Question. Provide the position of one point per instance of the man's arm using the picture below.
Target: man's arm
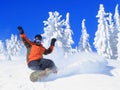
(24, 38)
(50, 49)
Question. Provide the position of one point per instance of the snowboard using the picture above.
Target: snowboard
(40, 75)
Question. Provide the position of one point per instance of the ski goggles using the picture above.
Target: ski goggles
(38, 41)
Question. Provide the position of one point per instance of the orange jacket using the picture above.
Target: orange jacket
(34, 52)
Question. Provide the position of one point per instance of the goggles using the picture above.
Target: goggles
(38, 41)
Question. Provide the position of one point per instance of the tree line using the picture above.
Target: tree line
(106, 40)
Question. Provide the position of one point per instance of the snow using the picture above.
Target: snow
(82, 71)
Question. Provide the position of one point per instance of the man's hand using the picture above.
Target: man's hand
(53, 41)
(20, 29)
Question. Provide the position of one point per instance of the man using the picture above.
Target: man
(35, 51)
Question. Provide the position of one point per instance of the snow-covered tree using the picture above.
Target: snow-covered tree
(102, 35)
(53, 28)
(117, 32)
(67, 40)
(111, 37)
(2, 48)
(59, 29)
(84, 45)
(13, 47)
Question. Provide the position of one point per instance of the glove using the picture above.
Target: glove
(20, 29)
(53, 41)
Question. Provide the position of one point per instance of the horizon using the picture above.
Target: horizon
(32, 14)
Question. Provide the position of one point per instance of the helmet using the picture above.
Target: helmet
(37, 37)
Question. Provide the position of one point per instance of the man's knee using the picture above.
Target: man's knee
(34, 68)
(47, 63)
(34, 65)
(51, 64)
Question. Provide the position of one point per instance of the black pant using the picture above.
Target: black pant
(41, 64)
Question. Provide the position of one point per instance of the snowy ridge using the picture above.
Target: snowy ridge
(75, 72)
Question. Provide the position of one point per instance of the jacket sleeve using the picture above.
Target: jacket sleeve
(49, 50)
(25, 40)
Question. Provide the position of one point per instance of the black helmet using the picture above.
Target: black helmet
(38, 37)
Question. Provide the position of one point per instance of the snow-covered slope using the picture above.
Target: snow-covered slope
(81, 71)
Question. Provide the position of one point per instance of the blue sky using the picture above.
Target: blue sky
(31, 13)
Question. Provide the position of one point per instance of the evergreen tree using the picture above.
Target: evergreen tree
(67, 40)
(2, 48)
(13, 47)
(59, 29)
(110, 38)
(84, 45)
(53, 28)
(117, 33)
(101, 40)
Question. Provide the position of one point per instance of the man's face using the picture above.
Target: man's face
(38, 41)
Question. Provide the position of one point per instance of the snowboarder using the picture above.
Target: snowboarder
(35, 51)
